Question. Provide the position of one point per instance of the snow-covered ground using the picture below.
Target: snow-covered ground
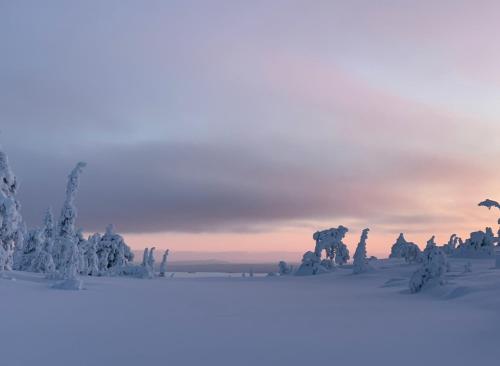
(332, 319)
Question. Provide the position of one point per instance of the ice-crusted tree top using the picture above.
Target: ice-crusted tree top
(69, 212)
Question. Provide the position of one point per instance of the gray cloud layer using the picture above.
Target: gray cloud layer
(192, 187)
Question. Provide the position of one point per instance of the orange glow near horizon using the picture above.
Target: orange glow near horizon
(299, 239)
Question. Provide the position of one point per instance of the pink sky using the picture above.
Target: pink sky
(246, 126)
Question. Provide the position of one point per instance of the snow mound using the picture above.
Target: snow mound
(74, 284)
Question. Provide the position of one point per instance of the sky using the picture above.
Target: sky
(248, 125)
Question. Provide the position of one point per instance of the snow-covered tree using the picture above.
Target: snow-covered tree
(284, 268)
(91, 259)
(151, 258)
(163, 265)
(481, 244)
(412, 253)
(405, 249)
(310, 265)
(43, 261)
(27, 254)
(361, 264)
(113, 253)
(67, 255)
(146, 269)
(10, 216)
(452, 244)
(330, 241)
(433, 269)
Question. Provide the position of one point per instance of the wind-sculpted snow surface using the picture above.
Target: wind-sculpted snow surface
(256, 321)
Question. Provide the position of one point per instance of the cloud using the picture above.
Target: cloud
(204, 188)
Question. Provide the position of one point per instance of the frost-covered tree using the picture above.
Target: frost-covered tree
(398, 247)
(91, 260)
(43, 261)
(361, 264)
(452, 244)
(146, 269)
(412, 253)
(67, 255)
(31, 248)
(310, 265)
(481, 244)
(433, 269)
(145, 257)
(10, 216)
(330, 241)
(284, 268)
(113, 253)
(151, 258)
(405, 249)
(163, 265)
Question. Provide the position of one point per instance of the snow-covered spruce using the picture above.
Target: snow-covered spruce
(10, 216)
(89, 256)
(163, 265)
(433, 269)
(113, 253)
(310, 265)
(67, 255)
(43, 261)
(26, 255)
(451, 246)
(480, 245)
(405, 249)
(284, 268)
(361, 264)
